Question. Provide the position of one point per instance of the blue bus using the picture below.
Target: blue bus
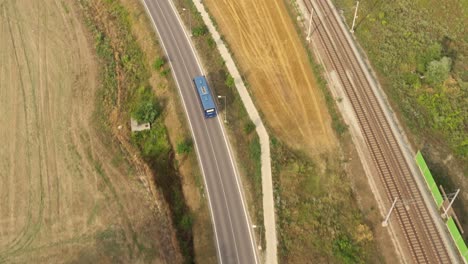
(204, 95)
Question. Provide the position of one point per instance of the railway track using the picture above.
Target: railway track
(422, 237)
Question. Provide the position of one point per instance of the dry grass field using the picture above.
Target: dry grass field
(271, 56)
(67, 193)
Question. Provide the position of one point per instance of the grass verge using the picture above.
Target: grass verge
(126, 93)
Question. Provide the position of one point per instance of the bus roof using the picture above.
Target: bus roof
(204, 92)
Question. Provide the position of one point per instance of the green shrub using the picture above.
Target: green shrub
(249, 128)
(199, 31)
(158, 63)
(211, 43)
(185, 146)
(145, 108)
(186, 222)
(153, 143)
(146, 112)
(412, 80)
(165, 72)
(230, 81)
(438, 71)
(345, 250)
(432, 53)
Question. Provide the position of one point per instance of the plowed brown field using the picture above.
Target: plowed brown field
(269, 52)
(66, 195)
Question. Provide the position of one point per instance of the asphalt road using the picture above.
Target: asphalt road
(232, 228)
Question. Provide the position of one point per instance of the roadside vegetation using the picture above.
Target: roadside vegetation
(419, 50)
(128, 91)
(240, 128)
(318, 217)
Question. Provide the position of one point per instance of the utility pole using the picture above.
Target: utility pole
(444, 215)
(385, 222)
(310, 24)
(225, 107)
(355, 16)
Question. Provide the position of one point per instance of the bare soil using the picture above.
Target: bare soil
(68, 193)
(266, 46)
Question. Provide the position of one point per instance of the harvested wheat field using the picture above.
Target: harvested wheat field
(67, 193)
(269, 52)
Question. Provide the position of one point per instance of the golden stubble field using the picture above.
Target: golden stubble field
(66, 193)
(268, 50)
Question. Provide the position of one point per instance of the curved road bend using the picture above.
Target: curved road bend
(233, 234)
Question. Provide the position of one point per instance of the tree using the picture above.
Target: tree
(438, 71)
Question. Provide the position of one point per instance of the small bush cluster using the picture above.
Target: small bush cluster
(153, 143)
(199, 31)
(185, 146)
(159, 64)
(249, 127)
(230, 81)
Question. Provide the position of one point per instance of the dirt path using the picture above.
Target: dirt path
(271, 56)
(66, 194)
